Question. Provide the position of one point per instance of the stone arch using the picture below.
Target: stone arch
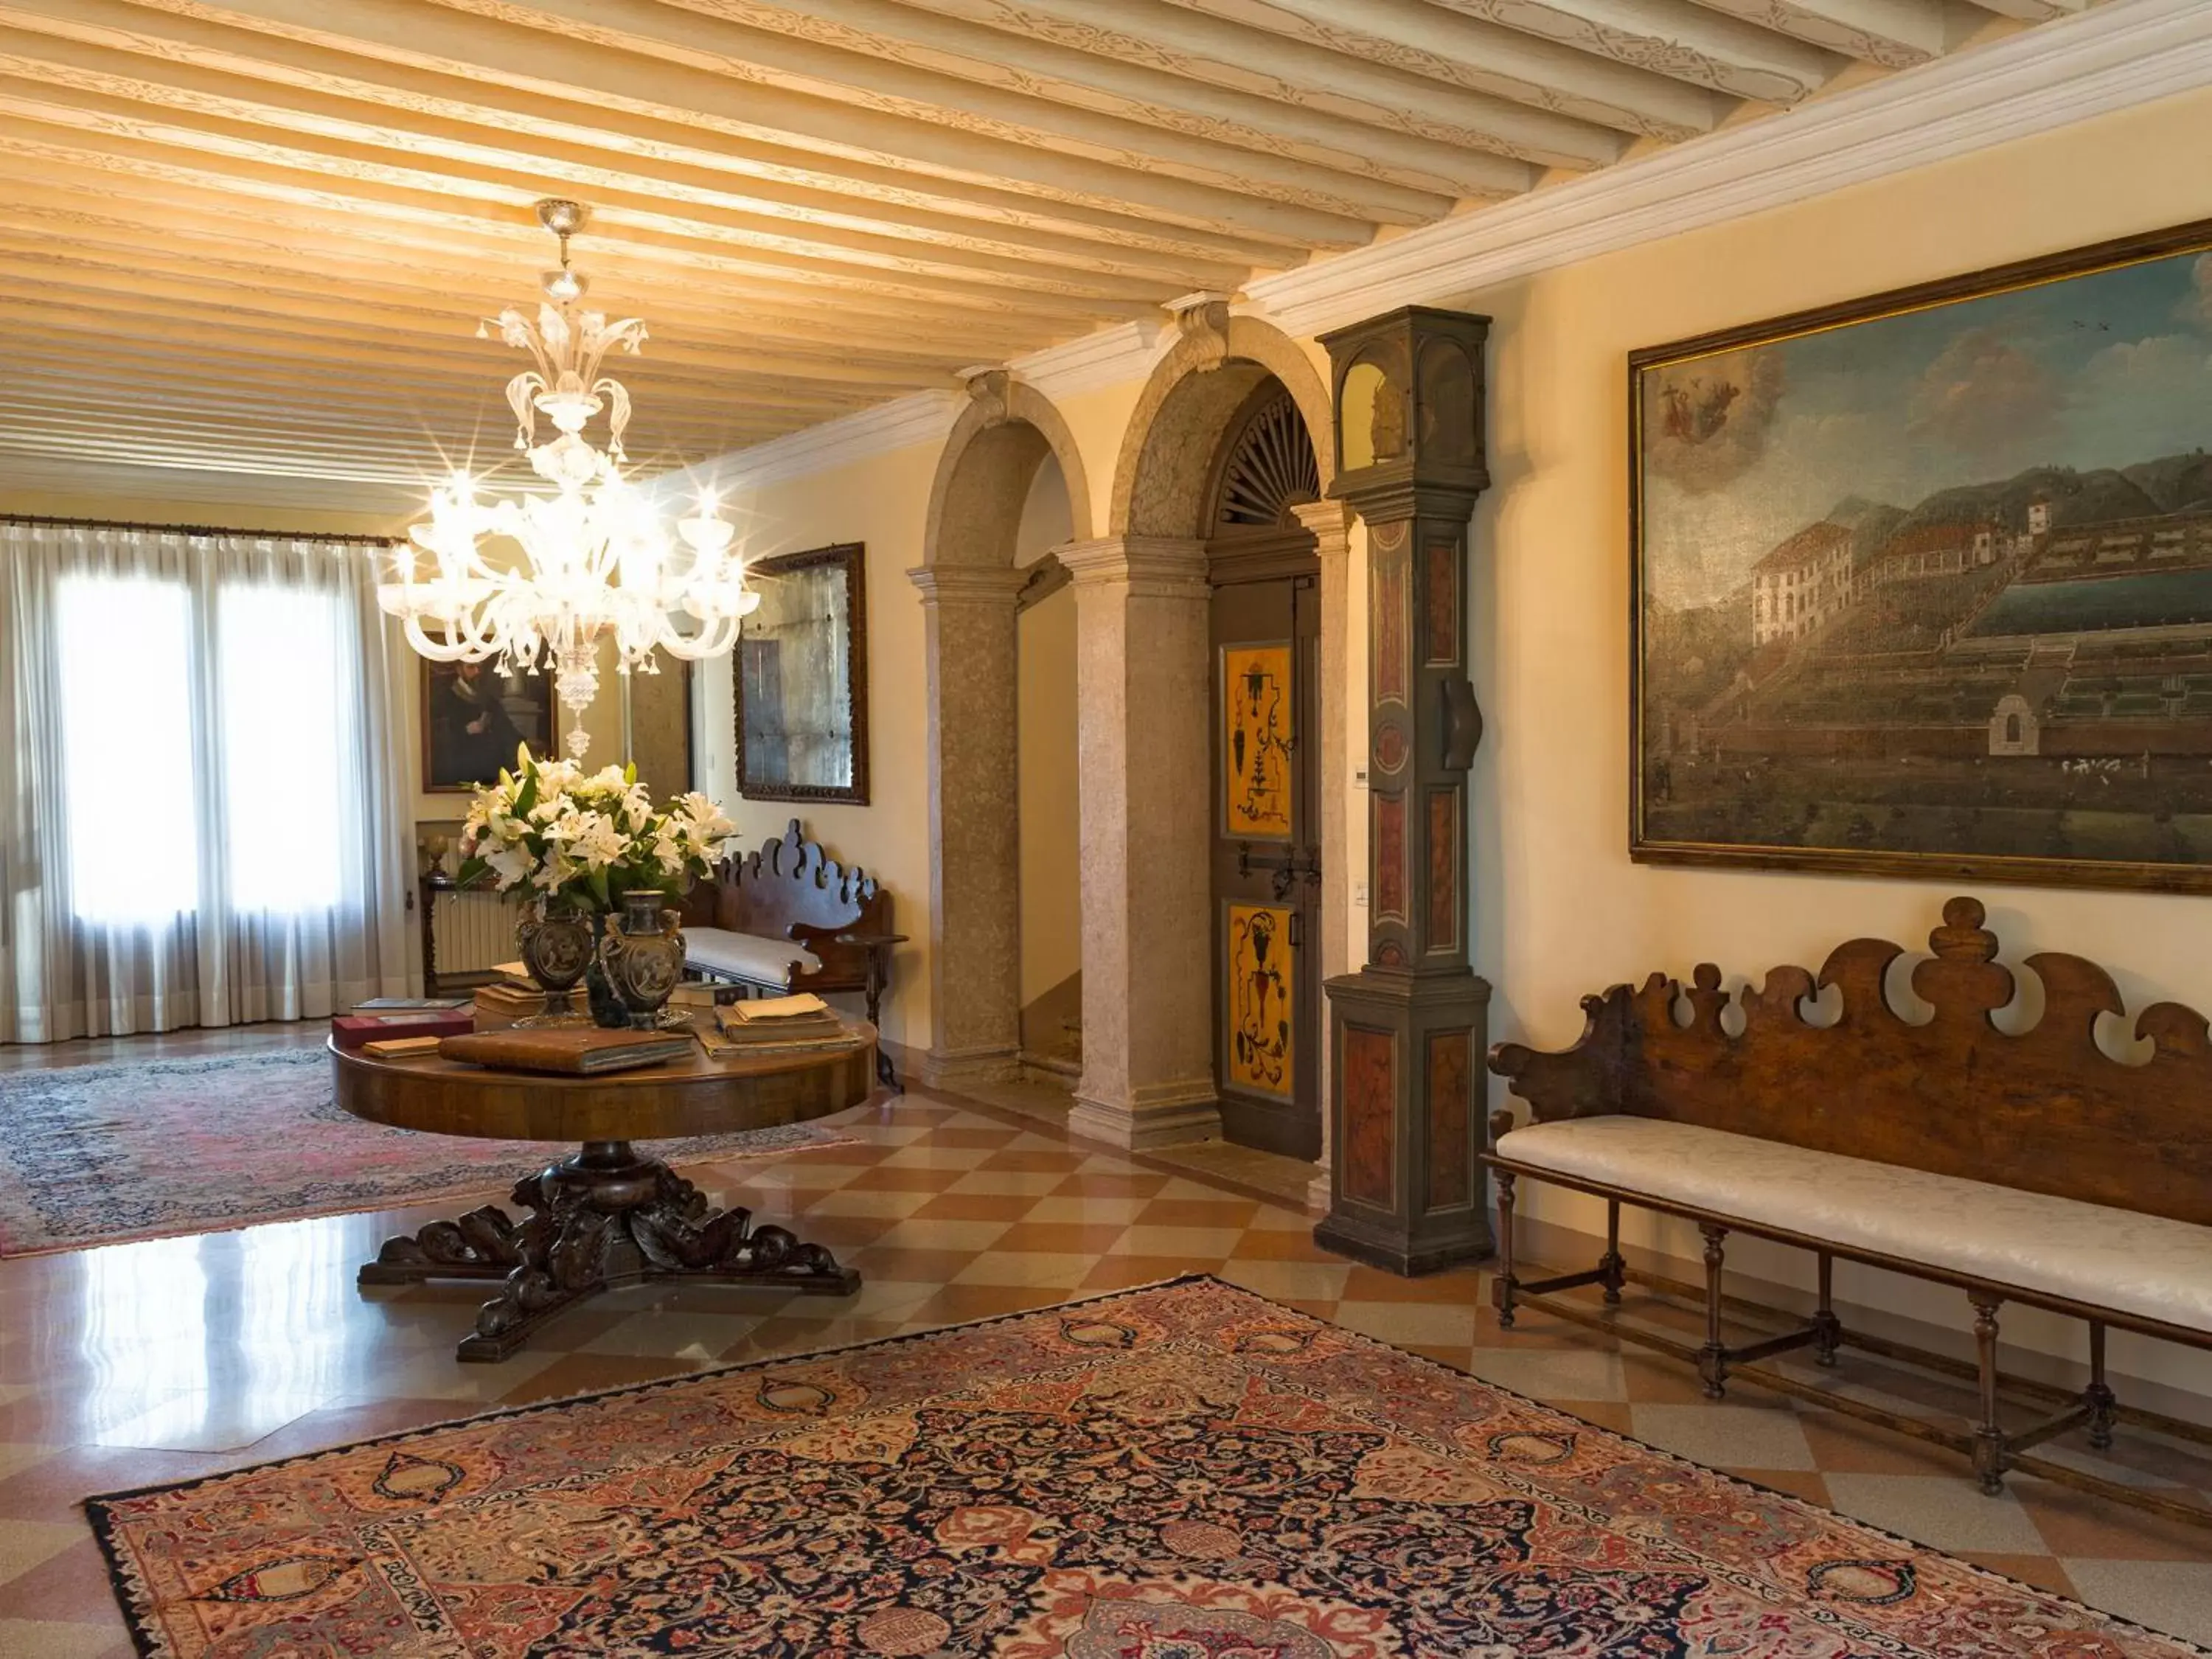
(970, 589)
(1161, 476)
(990, 455)
(1149, 579)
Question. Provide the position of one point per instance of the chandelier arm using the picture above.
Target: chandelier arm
(711, 642)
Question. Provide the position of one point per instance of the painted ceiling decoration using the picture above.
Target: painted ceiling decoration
(244, 243)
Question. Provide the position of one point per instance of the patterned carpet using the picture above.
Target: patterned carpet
(1185, 1471)
(99, 1154)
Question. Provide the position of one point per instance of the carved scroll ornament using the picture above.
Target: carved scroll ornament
(2045, 1109)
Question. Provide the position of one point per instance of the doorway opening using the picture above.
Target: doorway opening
(1267, 876)
(1046, 780)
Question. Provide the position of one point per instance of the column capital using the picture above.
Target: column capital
(968, 584)
(1160, 567)
(1330, 522)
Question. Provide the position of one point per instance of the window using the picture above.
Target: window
(124, 652)
(281, 731)
(129, 688)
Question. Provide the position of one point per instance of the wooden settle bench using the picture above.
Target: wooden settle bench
(790, 918)
(2028, 1168)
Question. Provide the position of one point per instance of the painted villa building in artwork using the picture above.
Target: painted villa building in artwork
(2018, 659)
(1802, 583)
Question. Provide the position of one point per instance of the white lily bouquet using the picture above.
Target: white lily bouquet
(582, 841)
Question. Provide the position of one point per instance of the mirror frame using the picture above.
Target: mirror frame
(851, 557)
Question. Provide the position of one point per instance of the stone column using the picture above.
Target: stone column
(975, 824)
(1144, 695)
(1331, 524)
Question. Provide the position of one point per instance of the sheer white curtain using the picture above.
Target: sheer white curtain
(205, 826)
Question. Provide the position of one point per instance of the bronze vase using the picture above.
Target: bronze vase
(555, 945)
(639, 960)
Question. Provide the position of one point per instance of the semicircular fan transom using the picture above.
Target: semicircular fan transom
(1271, 469)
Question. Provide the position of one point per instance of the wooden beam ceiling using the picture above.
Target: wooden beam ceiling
(244, 244)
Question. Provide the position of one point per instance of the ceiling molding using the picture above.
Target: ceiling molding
(2123, 53)
(1124, 352)
(920, 417)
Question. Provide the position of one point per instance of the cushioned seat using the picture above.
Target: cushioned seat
(2138, 1264)
(749, 957)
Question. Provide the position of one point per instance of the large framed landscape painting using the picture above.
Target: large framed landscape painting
(1923, 584)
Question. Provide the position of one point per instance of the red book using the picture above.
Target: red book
(352, 1030)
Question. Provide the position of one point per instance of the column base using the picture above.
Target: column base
(1408, 1085)
(955, 1068)
(1389, 1253)
(1159, 1115)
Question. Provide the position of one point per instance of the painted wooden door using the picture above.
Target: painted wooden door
(1266, 862)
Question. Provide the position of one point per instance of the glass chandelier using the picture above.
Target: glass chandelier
(593, 559)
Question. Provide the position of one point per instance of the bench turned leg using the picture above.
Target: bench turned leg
(1502, 1286)
(1828, 1329)
(1712, 1358)
(2103, 1404)
(1989, 1437)
(1611, 1264)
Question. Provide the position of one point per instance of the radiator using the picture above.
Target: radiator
(471, 932)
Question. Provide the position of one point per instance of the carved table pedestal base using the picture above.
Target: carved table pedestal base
(602, 1218)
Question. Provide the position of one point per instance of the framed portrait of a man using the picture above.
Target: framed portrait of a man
(473, 717)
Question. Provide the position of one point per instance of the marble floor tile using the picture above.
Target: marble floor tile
(1550, 1374)
(1947, 1512)
(1727, 1436)
(1410, 1324)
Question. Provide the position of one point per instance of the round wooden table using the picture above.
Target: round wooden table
(604, 1216)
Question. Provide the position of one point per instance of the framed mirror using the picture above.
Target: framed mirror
(802, 679)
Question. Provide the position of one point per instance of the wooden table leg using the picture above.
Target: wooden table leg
(602, 1218)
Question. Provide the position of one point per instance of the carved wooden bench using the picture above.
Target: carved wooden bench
(2030, 1169)
(790, 918)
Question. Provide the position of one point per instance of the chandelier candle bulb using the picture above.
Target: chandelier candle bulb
(595, 560)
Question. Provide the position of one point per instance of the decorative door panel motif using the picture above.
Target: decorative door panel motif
(1262, 983)
(1259, 732)
(1267, 866)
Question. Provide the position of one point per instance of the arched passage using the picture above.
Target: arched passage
(970, 586)
(1147, 696)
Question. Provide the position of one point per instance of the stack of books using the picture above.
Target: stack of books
(775, 1025)
(381, 1017)
(514, 995)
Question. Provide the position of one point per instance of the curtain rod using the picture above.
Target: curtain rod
(196, 529)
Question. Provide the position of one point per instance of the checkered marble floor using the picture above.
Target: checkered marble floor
(144, 1363)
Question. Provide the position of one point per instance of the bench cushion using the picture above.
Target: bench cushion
(751, 957)
(2090, 1253)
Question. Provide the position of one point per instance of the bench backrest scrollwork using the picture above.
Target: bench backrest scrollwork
(2046, 1110)
(791, 889)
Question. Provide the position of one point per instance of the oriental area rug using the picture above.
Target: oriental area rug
(99, 1154)
(1181, 1472)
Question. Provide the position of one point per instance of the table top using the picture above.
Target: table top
(690, 1095)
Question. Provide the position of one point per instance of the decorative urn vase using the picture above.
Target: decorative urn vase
(639, 959)
(556, 946)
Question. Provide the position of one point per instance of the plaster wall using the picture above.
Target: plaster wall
(1046, 769)
(1560, 910)
(882, 503)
